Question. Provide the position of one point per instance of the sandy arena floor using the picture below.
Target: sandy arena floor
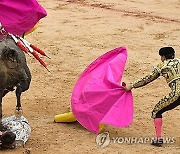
(75, 33)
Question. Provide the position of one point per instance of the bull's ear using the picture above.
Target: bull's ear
(10, 57)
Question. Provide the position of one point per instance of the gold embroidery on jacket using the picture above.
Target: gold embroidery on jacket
(170, 70)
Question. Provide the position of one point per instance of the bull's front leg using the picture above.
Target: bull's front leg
(18, 111)
(21, 87)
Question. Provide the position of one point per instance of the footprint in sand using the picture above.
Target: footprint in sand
(159, 36)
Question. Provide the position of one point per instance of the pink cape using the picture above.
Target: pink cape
(98, 97)
(19, 16)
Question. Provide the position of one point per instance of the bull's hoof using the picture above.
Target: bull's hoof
(18, 113)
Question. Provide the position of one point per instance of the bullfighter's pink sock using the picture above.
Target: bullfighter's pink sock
(158, 127)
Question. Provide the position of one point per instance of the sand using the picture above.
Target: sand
(75, 33)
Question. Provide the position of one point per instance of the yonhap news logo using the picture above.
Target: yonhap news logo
(104, 139)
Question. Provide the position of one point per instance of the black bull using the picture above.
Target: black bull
(14, 72)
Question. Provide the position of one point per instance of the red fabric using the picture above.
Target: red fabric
(98, 97)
